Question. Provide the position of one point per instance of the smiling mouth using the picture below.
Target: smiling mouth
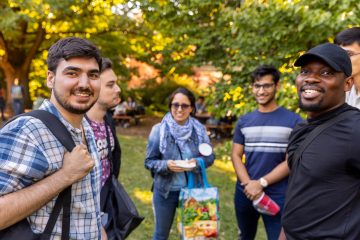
(311, 93)
(82, 93)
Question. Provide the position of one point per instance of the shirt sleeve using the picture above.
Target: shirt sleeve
(21, 161)
(238, 135)
(354, 162)
(154, 160)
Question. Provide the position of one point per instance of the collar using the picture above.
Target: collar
(329, 114)
(48, 106)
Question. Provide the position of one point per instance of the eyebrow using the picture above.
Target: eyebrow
(79, 69)
(111, 82)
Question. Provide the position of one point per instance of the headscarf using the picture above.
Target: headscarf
(181, 133)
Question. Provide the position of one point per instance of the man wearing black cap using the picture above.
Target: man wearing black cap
(323, 196)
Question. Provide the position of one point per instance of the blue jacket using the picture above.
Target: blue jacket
(156, 162)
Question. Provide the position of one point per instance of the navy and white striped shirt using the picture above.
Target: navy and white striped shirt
(29, 152)
(265, 138)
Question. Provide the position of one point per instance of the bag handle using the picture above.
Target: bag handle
(191, 181)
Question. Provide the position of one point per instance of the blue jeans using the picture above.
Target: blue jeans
(247, 217)
(164, 212)
(18, 106)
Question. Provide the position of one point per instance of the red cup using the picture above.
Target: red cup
(264, 204)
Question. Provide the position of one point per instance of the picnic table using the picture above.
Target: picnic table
(128, 118)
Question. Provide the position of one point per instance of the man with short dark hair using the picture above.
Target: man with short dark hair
(322, 200)
(108, 146)
(35, 167)
(349, 39)
(261, 136)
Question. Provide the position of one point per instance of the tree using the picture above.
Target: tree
(29, 27)
(237, 36)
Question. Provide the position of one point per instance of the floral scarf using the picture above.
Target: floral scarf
(181, 133)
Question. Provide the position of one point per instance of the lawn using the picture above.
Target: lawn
(137, 181)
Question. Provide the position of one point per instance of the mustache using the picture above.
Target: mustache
(83, 90)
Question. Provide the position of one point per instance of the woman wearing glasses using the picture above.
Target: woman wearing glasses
(177, 137)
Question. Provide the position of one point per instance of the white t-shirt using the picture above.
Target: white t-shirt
(352, 98)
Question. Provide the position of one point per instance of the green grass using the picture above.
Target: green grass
(137, 181)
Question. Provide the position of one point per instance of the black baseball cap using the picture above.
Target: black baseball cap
(336, 57)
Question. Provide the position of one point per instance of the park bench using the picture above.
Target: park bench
(219, 131)
(135, 118)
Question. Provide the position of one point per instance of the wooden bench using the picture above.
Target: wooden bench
(135, 118)
(219, 130)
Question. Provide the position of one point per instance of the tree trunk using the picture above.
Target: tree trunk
(9, 73)
(24, 81)
(16, 62)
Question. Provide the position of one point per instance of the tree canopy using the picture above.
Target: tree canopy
(238, 36)
(235, 36)
(29, 27)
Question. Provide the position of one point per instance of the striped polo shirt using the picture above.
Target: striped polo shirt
(265, 137)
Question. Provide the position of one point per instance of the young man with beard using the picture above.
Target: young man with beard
(349, 39)
(262, 136)
(322, 201)
(35, 167)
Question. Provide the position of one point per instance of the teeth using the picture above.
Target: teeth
(83, 94)
(309, 91)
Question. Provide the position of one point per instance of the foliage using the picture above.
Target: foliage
(155, 94)
(29, 27)
(237, 36)
(175, 35)
(222, 151)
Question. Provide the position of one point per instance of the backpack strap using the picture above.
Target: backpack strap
(64, 199)
(316, 132)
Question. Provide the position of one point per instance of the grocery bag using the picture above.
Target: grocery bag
(198, 212)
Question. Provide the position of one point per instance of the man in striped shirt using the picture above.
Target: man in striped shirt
(262, 136)
(35, 167)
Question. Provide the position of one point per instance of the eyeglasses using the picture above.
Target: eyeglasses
(265, 86)
(183, 106)
(350, 53)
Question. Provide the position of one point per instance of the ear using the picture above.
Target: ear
(278, 86)
(50, 79)
(348, 83)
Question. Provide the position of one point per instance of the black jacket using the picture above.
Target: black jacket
(116, 154)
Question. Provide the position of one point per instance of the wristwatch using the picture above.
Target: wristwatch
(263, 182)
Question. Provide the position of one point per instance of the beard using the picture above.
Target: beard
(70, 108)
(315, 107)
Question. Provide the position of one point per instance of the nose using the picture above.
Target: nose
(311, 79)
(261, 90)
(117, 88)
(83, 80)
